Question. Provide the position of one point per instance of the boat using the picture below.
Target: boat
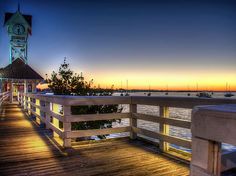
(188, 93)
(204, 95)
(167, 90)
(127, 83)
(149, 93)
(126, 94)
(228, 92)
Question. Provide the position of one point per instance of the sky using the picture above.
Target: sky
(163, 43)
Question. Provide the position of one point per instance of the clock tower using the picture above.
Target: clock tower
(19, 28)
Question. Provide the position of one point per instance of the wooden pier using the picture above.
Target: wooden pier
(36, 138)
(27, 149)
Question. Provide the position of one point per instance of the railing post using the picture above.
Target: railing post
(212, 125)
(11, 90)
(37, 102)
(164, 128)
(206, 157)
(31, 109)
(133, 121)
(20, 99)
(66, 126)
(28, 105)
(48, 116)
(25, 103)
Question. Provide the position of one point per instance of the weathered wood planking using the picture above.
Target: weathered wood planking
(27, 149)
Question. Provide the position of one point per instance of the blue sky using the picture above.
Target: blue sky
(147, 42)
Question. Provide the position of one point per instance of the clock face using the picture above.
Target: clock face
(18, 29)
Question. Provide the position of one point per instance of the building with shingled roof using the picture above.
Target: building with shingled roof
(18, 76)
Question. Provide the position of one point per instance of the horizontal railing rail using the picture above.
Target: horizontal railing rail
(54, 109)
(180, 102)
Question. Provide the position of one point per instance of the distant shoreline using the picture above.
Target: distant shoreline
(138, 90)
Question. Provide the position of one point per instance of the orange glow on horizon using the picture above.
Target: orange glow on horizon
(170, 81)
(192, 80)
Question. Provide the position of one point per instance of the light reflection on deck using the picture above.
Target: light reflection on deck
(28, 149)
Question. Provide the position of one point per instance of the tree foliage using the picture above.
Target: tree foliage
(66, 82)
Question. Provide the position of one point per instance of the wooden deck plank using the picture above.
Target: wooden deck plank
(27, 149)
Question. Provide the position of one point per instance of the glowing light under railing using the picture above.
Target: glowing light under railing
(37, 102)
(56, 108)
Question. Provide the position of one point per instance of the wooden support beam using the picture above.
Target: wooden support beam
(66, 126)
(133, 121)
(164, 128)
(48, 116)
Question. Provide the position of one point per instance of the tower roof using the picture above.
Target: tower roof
(28, 18)
(19, 70)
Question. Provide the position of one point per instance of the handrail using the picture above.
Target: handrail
(212, 125)
(170, 101)
(52, 109)
(180, 102)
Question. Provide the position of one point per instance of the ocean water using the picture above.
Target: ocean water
(178, 113)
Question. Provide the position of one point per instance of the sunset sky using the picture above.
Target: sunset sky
(178, 43)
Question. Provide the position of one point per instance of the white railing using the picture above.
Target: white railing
(211, 126)
(4, 96)
(53, 110)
